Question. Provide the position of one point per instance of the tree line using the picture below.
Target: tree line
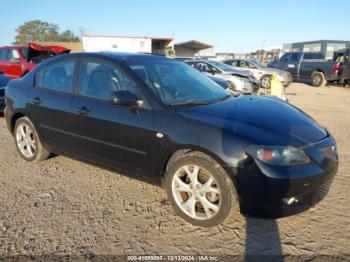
(41, 31)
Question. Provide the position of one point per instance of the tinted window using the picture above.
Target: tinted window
(285, 57)
(231, 62)
(294, 57)
(100, 80)
(313, 56)
(58, 76)
(3, 54)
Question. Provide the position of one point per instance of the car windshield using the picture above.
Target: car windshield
(222, 66)
(177, 83)
(257, 63)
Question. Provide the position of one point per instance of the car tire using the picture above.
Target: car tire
(318, 79)
(265, 81)
(206, 201)
(28, 142)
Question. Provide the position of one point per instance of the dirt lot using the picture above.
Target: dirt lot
(62, 206)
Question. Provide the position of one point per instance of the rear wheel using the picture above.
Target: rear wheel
(27, 141)
(318, 79)
(200, 190)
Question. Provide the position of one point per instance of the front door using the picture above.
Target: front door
(14, 66)
(114, 135)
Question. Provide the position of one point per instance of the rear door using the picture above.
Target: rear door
(114, 135)
(50, 105)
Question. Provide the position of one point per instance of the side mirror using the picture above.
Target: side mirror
(1, 73)
(125, 98)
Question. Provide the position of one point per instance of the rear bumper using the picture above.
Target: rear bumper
(264, 190)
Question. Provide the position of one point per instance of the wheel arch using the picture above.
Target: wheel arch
(14, 119)
(191, 149)
(317, 70)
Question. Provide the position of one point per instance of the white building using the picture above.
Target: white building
(193, 48)
(132, 44)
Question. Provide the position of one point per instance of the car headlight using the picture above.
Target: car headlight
(278, 155)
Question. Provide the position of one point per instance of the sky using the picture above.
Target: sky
(229, 25)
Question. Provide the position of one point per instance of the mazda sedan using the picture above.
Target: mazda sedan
(162, 119)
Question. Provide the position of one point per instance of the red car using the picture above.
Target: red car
(16, 61)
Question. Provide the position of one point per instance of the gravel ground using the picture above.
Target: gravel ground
(62, 206)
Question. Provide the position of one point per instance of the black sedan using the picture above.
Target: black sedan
(149, 115)
(3, 82)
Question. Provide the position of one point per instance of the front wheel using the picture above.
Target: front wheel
(27, 141)
(200, 190)
(318, 79)
(265, 81)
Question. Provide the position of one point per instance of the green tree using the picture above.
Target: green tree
(37, 30)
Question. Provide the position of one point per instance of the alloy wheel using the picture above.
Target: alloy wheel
(196, 192)
(265, 82)
(317, 80)
(25, 140)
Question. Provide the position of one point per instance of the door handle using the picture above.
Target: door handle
(36, 100)
(83, 110)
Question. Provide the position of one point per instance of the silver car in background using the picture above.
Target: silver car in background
(241, 81)
(260, 71)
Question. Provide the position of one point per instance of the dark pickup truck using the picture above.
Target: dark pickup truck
(306, 66)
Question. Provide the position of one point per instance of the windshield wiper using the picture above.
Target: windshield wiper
(190, 103)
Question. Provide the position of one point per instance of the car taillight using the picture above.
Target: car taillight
(336, 68)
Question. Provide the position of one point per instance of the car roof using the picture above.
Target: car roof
(119, 56)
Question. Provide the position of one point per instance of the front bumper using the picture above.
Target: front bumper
(263, 189)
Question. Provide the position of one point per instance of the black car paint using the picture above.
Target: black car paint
(3, 82)
(142, 141)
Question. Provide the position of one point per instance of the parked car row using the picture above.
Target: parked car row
(16, 61)
(238, 80)
(162, 119)
(307, 66)
(260, 71)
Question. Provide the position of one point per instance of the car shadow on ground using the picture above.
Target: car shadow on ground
(263, 241)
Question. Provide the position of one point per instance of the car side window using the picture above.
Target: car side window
(100, 80)
(294, 57)
(234, 62)
(242, 63)
(13, 55)
(285, 57)
(58, 76)
(3, 54)
(251, 65)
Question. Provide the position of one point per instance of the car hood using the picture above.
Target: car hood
(35, 50)
(261, 118)
(244, 73)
